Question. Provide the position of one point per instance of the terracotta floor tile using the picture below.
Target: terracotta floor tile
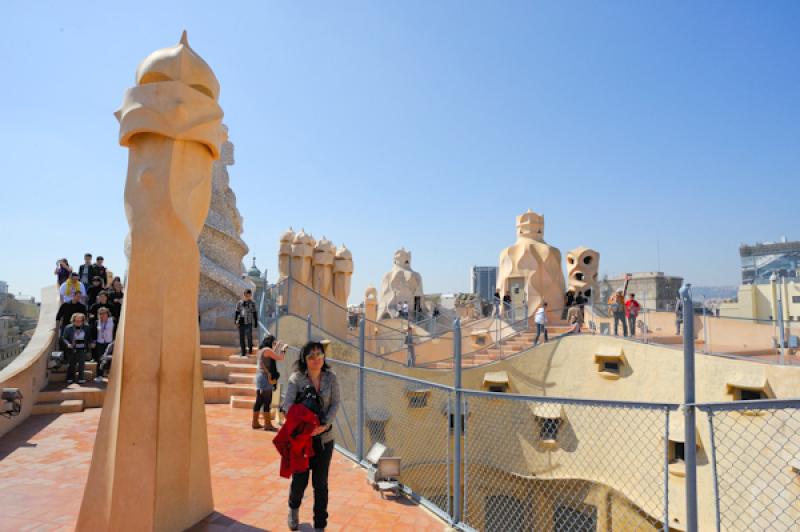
(44, 464)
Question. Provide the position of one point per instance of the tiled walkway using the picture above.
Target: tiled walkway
(44, 464)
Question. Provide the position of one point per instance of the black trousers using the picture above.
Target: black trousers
(619, 317)
(246, 336)
(76, 360)
(263, 399)
(320, 463)
(98, 351)
(632, 325)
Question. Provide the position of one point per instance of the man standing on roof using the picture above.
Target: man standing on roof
(632, 308)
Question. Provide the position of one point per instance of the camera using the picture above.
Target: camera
(10, 402)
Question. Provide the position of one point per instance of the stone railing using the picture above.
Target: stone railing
(28, 371)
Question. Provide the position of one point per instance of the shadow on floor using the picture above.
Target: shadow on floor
(217, 522)
(21, 435)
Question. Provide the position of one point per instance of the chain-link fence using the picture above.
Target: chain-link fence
(543, 463)
(558, 464)
(755, 454)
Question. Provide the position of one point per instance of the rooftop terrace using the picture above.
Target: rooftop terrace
(46, 463)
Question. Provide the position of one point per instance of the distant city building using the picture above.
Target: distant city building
(759, 301)
(10, 344)
(484, 281)
(760, 261)
(3, 287)
(653, 290)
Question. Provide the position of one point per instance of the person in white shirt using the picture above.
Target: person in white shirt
(540, 319)
(102, 335)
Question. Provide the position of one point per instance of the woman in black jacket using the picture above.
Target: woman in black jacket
(76, 338)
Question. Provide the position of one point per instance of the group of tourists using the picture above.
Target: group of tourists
(624, 312)
(91, 305)
(574, 317)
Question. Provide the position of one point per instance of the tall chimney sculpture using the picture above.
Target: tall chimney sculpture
(150, 467)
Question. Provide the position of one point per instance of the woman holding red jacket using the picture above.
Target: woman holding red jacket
(312, 371)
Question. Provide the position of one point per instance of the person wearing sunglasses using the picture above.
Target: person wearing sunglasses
(312, 370)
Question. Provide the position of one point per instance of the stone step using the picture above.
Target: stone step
(241, 378)
(92, 394)
(216, 392)
(57, 407)
(217, 370)
(217, 352)
(61, 376)
(238, 401)
(238, 359)
(224, 337)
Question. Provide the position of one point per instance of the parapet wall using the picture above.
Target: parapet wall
(28, 371)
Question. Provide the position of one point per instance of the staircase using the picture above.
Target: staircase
(227, 378)
(506, 348)
(57, 399)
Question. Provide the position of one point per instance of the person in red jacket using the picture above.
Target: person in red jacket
(314, 385)
(632, 308)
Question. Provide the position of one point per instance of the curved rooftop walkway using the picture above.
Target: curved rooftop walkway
(44, 464)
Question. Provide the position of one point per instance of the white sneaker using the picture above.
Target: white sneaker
(98, 379)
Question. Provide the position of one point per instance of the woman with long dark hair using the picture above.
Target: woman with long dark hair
(266, 379)
(311, 370)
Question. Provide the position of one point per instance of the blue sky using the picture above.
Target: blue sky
(429, 125)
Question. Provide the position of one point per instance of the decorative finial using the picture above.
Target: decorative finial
(254, 261)
(184, 39)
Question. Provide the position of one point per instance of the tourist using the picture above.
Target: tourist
(575, 317)
(678, 316)
(85, 273)
(103, 334)
(101, 303)
(115, 298)
(104, 367)
(246, 317)
(66, 311)
(63, 269)
(411, 356)
(71, 286)
(632, 308)
(506, 301)
(569, 300)
(616, 305)
(312, 370)
(266, 379)
(540, 319)
(405, 310)
(76, 338)
(99, 270)
(94, 290)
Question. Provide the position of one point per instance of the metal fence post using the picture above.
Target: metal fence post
(705, 329)
(781, 331)
(277, 318)
(362, 325)
(666, 470)
(308, 328)
(690, 432)
(714, 478)
(457, 428)
(527, 325)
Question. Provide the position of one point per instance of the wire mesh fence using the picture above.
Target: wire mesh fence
(539, 464)
(410, 418)
(756, 460)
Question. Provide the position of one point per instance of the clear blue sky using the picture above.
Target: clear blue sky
(423, 124)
